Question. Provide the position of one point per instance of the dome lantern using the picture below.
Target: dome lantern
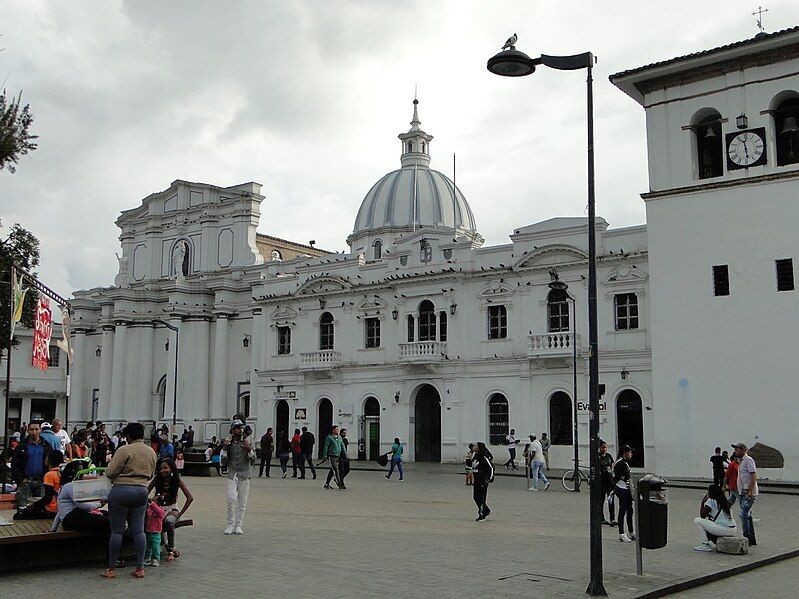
(415, 143)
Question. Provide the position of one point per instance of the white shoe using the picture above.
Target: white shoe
(532, 489)
(546, 486)
(229, 530)
(238, 531)
(624, 538)
(704, 547)
(632, 536)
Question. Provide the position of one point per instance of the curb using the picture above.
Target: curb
(692, 583)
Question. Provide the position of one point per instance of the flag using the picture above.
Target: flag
(42, 331)
(17, 299)
(66, 343)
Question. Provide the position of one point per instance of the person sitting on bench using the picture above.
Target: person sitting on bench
(47, 506)
(84, 515)
(715, 519)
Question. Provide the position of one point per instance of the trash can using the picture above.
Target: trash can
(653, 511)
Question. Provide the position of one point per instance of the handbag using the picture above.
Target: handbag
(383, 460)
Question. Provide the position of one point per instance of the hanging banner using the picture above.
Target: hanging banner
(66, 343)
(17, 299)
(42, 331)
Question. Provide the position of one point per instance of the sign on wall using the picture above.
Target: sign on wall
(285, 395)
(42, 331)
(582, 406)
(300, 413)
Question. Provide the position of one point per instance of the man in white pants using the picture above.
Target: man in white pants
(239, 462)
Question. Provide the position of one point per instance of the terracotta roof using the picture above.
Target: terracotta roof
(294, 243)
(758, 38)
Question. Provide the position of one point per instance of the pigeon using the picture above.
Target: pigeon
(511, 42)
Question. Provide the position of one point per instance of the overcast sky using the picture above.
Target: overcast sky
(307, 98)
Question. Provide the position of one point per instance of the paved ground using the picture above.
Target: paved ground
(763, 582)
(415, 539)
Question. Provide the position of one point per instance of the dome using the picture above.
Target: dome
(414, 195)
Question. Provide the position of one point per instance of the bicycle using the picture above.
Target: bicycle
(568, 478)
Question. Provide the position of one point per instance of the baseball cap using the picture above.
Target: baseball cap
(739, 445)
(625, 448)
(46, 426)
(532, 437)
(236, 423)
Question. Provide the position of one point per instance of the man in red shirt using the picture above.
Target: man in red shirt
(296, 454)
(731, 480)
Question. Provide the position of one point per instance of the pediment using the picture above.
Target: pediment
(551, 255)
(625, 274)
(371, 303)
(284, 313)
(323, 284)
(496, 289)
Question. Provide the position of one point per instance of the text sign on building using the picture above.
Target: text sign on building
(582, 406)
(285, 395)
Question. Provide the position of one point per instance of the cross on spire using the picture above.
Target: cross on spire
(759, 17)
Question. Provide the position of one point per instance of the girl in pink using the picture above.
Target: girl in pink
(153, 523)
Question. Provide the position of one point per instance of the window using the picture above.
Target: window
(425, 251)
(784, 276)
(283, 341)
(709, 151)
(372, 332)
(42, 409)
(422, 147)
(498, 419)
(721, 280)
(787, 131)
(326, 331)
(557, 311)
(410, 146)
(626, 311)
(244, 404)
(427, 321)
(442, 326)
(560, 418)
(411, 328)
(377, 250)
(52, 361)
(497, 322)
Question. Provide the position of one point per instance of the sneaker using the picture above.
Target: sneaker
(546, 486)
(704, 547)
(388, 477)
(300, 478)
(285, 474)
(229, 530)
(153, 563)
(624, 538)
(138, 573)
(632, 535)
(238, 531)
(402, 480)
(328, 486)
(532, 489)
(480, 518)
(343, 487)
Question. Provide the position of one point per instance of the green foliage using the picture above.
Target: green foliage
(15, 139)
(22, 248)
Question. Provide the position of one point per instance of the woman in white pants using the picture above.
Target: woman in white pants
(715, 518)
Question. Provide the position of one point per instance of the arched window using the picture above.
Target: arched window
(371, 407)
(244, 404)
(410, 146)
(377, 247)
(427, 321)
(786, 127)
(411, 328)
(498, 419)
(557, 311)
(560, 418)
(326, 331)
(706, 126)
(423, 147)
(160, 390)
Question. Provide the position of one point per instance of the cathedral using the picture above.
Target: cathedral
(422, 332)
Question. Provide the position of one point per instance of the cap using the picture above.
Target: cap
(739, 445)
(46, 426)
(532, 437)
(15, 435)
(625, 448)
(236, 423)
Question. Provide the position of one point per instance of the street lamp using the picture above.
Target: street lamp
(175, 391)
(513, 63)
(561, 290)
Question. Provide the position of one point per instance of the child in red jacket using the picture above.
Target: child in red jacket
(153, 523)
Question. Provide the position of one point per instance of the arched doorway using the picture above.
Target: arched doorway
(427, 425)
(325, 421)
(630, 424)
(561, 419)
(371, 416)
(161, 391)
(281, 421)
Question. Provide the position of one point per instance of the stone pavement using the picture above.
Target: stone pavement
(416, 539)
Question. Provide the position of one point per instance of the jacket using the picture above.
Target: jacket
(132, 464)
(267, 443)
(483, 470)
(307, 441)
(333, 447)
(20, 459)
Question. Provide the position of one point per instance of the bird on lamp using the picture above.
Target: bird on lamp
(510, 43)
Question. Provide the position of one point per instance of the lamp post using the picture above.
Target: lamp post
(175, 390)
(513, 63)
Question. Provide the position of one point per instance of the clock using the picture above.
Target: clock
(746, 148)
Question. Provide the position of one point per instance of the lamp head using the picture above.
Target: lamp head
(511, 63)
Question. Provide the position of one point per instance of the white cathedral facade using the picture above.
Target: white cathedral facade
(422, 332)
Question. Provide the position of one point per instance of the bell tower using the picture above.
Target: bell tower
(415, 143)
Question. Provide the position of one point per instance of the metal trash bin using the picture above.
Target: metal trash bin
(653, 511)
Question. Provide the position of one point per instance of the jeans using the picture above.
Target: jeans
(733, 497)
(396, 462)
(153, 545)
(747, 526)
(266, 463)
(169, 528)
(238, 491)
(298, 461)
(512, 459)
(308, 457)
(127, 503)
(334, 462)
(539, 471)
(32, 487)
(479, 494)
(625, 498)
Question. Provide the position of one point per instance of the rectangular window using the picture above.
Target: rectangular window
(497, 322)
(442, 326)
(372, 332)
(558, 312)
(721, 280)
(785, 274)
(52, 361)
(411, 328)
(283, 341)
(626, 311)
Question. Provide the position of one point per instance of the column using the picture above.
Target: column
(79, 408)
(106, 364)
(117, 408)
(172, 390)
(201, 369)
(145, 390)
(217, 407)
(258, 334)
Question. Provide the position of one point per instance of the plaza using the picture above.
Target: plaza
(414, 539)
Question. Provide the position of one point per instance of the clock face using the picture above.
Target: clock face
(747, 148)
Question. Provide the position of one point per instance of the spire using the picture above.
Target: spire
(415, 122)
(415, 143)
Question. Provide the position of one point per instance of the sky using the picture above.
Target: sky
(308, 98)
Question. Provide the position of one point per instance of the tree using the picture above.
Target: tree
(15, 139)
(22, 248)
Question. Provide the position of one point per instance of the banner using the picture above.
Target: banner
(66, 343)
(42, 331)
(17, 299)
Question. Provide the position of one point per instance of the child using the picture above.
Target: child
(179, 462)
(153, 523)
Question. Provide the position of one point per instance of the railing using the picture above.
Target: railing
(551, 344)
(422, 351)
(324, 358)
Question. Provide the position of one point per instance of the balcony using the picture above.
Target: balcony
(422, 352)
(551, 345)
(324, 359)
